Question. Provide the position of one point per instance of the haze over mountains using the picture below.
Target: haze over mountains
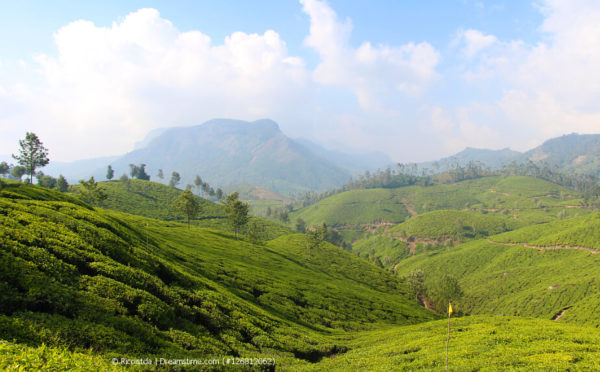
(226, 152)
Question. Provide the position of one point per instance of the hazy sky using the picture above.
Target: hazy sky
(416, 79)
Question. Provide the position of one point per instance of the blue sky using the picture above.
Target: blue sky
(418, 80)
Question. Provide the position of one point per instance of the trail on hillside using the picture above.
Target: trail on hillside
(550, 247)
(409, 208)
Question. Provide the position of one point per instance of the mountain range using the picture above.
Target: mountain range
(226, 153)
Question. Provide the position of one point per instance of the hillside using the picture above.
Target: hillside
(131, 286)
(155, 200)
(578, 153)
(226, 152)
(477, 343)
(537, 271)
(526, 200)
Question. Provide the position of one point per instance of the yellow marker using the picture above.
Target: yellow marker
(449, 309)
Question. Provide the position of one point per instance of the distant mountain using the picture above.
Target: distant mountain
(225, 152)
(492, 158)
(579, 153)
(355, 163)
(572, 153)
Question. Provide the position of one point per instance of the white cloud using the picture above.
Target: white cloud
(108, 86)
(375, 74)
(552, 87)
(474, 41)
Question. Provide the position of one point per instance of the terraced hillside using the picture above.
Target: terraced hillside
(533, 271)
(124, 285)
(527, 199)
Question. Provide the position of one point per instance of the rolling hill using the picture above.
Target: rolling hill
(124, 285)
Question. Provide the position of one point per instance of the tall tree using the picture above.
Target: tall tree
(256, 232)
(32, 154)
(160, 174)
(91, 192)
(237, 212)
(4, 168)
(175, 179)
(61, 184)
(110, 173)
(219, 194)
(188, 205)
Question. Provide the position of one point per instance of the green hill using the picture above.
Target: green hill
(526, 196)
(452, 224)
(155, 200)
(477, 343)
(125, 285)
(500, 277)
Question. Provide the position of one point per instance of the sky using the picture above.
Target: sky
(418, 80)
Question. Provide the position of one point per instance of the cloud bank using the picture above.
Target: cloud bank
(105, 87)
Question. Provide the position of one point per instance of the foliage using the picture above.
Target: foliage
(175, 179)
(138, 171)
(32, 154)
(61, 184)
(110, 173)
(91, 192)
(4, 168)
(236, 211)
(188, 204)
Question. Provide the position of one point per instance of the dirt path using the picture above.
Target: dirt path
(557, 317)
(498, 192)
(551, 247)
(409, 208)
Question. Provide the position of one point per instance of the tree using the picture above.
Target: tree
(416, 283)
(110, 173)
(61, 184)
(160, 174)
(300, 225)
(256, 232)
(4, 168)
(314, 237)
(45, 181)
(32, 154)
(18, 172)
(219, 194)
(237, 212)
(188, 205)
(91, 192)
(139, 172)
(175, 179)
(198, 182)
(446, 290)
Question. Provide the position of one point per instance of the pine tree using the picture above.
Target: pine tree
(32, 154)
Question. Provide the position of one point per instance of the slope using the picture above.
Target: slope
(127, 285)
(477, 343)
(155, 200)
(527, 199)
(527, 272)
